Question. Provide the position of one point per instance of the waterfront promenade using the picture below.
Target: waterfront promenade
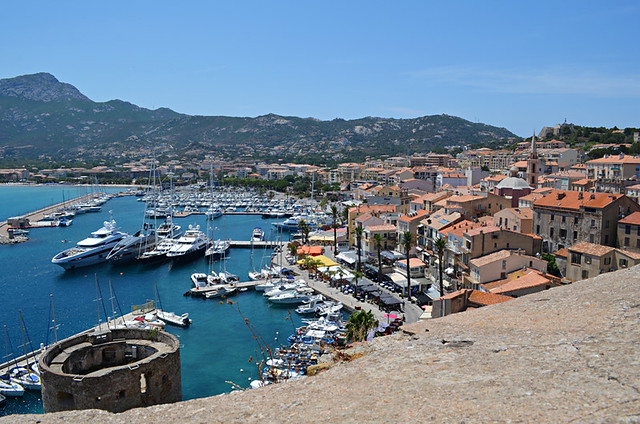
(411, 311)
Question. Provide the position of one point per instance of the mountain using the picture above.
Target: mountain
(39, 115)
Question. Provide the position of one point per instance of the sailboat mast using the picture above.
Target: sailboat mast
(24, 340)
(55, 326)
(97, 300)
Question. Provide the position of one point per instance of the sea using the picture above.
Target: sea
(216, 351)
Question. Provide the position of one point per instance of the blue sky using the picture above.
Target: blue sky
(518, 65)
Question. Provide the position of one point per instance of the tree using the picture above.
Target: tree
(334, 215)
(440, 246)
(345, 219)
(377, 240)
(359, 325)
(552, 266)
(304, 229)
(357, 274)
(358, 232)
(407, 241)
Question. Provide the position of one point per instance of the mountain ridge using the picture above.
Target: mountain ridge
(56, 119)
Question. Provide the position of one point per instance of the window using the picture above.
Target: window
(575, 235)
(564, 219)
(627, 229)
(626, 242)
(587, 259)
(500, 221)
(623, 263)
(551, 232)
(606, 238)
(563, 233)
(639, 230)
(585, 274)
(504, 264)
(506, 221)
(551, 219)
(607, 260)
(593, 222)
(638, 244)
(576, 258)
(606, 224)
(575, 220)
(537, 229)
(592, 238)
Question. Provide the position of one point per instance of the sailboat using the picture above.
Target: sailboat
(24, 376)
(8, 387)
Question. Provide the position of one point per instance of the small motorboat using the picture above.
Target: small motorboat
(174, 319)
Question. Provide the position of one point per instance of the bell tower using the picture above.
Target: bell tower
(533, 164)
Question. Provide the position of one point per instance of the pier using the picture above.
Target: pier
(38, 215)
(187, 214)
(249, 243)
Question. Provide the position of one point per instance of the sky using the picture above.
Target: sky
(512, 64)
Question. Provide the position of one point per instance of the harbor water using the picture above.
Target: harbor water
(215, 350)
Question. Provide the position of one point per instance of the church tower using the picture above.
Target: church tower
(533, 164)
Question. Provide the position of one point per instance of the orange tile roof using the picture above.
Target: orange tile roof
(382, 227)
(633, 255)
(487, 229)
(486, 299)
(633, 219)
(571, 200)
(532, 279)
(463, 198)
(490, 258)
(418, 216)
(563, 253)
(615, 160)
(460, 228)
(591, 249)
(413, 262)
(522, 213)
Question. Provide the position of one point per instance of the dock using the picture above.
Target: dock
(249, 243)
(202, 291)
(187, 214)
(36, 216)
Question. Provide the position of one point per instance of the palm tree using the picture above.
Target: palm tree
(304, 229)
(357, 274)
(334, 215)
(358, 231)
(407, 241)
(359, 325)
(345, 219)
(377, 240)
(440, 246)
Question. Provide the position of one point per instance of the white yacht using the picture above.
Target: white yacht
(92, 250)
(217, 248)
(132, 246)
(257, 235)
(192, 243)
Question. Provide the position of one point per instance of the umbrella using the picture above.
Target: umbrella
(390, 316)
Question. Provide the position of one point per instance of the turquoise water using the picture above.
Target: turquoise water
(214, 349)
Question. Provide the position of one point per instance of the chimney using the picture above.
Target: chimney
(580, 195)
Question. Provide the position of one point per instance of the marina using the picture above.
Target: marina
(30, 284)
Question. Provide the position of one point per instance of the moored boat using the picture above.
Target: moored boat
(92, 250)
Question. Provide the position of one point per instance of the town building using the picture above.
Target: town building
(563, 218)
(515, 219)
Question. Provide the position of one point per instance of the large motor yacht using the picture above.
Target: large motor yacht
(93, 249)
(193, 242)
